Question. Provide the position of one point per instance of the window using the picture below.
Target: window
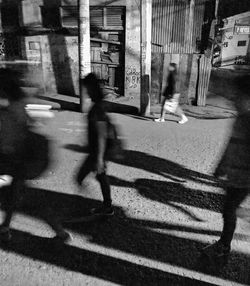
(69, 16)
(115, 16)
(242, 43)
(100, 17)
(103, 17)
(35, 46)
(96, 17)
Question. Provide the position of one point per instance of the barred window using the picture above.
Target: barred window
(242, 43)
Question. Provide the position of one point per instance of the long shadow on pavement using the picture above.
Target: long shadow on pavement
(155, 165)
(128, 236)
(173, 192)
(92, 263)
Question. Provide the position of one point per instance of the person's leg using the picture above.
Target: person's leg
(14, 193)
(84, 170)
(163, 112)
(221, 248)
(106, 209)
(15, 190)
(106, 190)
(234, 197)
(181, 114)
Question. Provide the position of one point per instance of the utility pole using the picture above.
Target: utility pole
(146, 26)
(84, 49)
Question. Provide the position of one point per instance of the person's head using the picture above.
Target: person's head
(92, 85)
(172, 67)
(10, 85)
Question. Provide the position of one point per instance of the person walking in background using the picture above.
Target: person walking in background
(234, 169)
(98, 129)
(171, 97)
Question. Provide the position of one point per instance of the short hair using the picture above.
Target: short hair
(92, 81)
(174, 65)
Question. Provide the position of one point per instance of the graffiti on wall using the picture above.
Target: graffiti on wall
(133, 77)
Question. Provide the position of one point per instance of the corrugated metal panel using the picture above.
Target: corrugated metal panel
(204, 77)
(157, 23)
(172, 29)
(198, 21)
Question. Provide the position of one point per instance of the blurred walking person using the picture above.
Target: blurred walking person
(171, 97)
(98, 137)
(24, 154)
(234, 169)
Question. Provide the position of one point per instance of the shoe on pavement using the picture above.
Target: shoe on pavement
(5, 234)
(103, 211)
(159, 120)
(183, 120)
(216, 250)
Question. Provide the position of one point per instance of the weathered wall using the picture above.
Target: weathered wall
(132, 50)
(60, 53)
(60, 64)
(58, 57)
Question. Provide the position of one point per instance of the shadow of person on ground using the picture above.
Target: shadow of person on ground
(170, 193)
(93, 264)
(122, 233)
(155, 165)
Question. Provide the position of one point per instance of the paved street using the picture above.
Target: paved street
(167, 208)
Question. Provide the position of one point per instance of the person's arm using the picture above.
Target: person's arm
(102, 134)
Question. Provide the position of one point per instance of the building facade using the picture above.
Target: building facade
(45, 33)
(42, 36)
(233, 47)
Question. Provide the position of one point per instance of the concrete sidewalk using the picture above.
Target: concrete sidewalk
(217, 107)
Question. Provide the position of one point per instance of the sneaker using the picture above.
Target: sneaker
(63, 237)
(183, 120)
(216, 250)
(103, 211)
(5, 234)
(159, 120)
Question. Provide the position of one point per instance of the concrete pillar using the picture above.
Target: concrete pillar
(146, 26)
(84, 50)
